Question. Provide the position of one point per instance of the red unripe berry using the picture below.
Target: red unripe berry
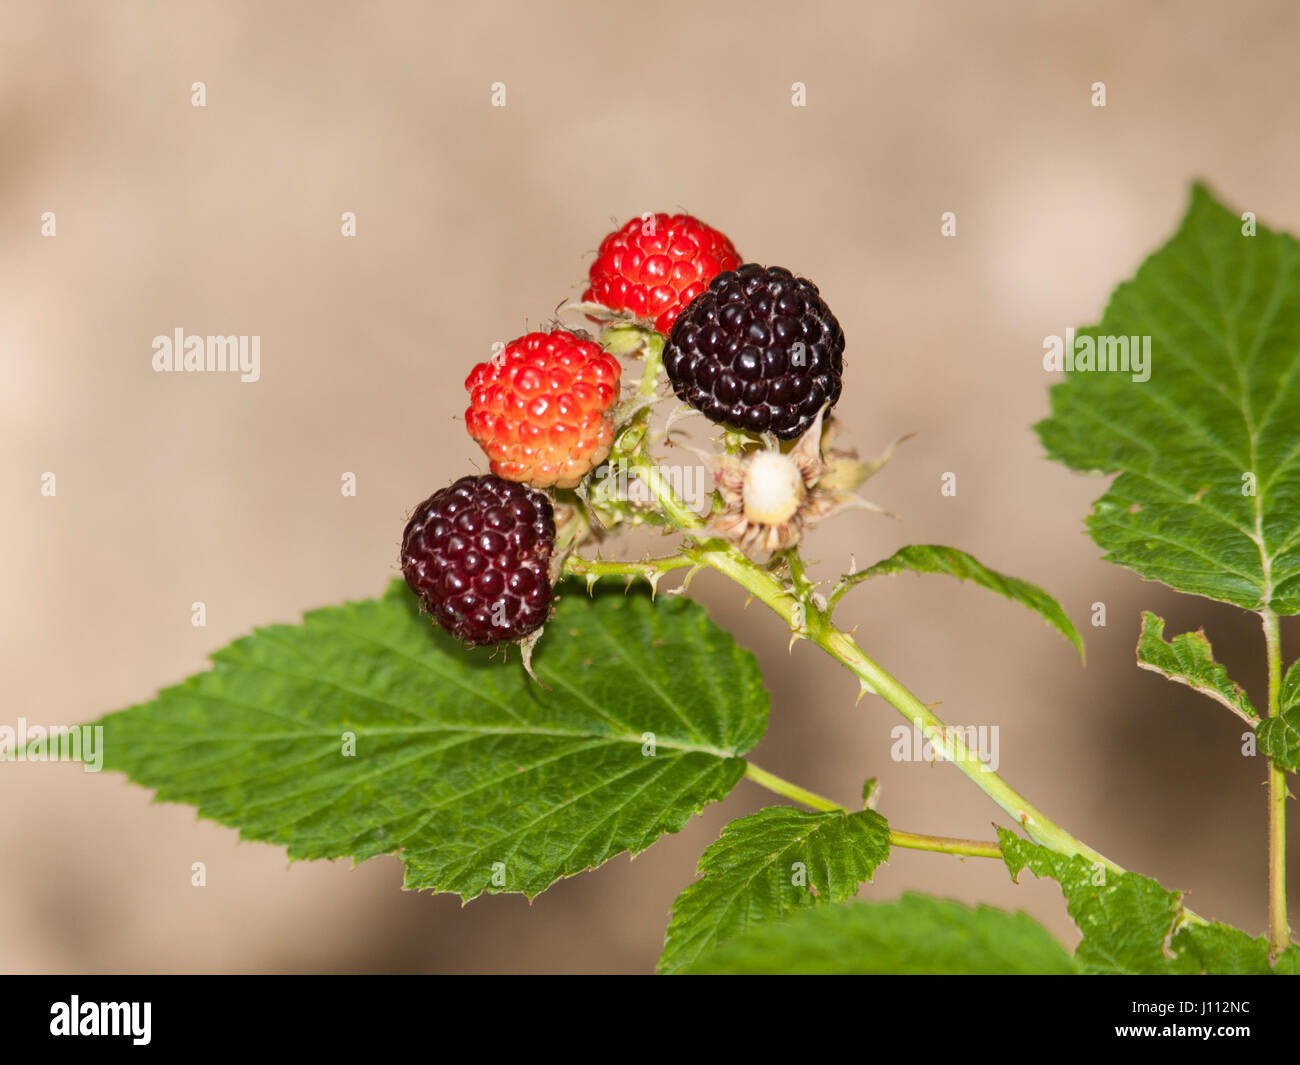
(542, 410)
(654, 266)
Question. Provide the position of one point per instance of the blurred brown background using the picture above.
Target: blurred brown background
(473, 223)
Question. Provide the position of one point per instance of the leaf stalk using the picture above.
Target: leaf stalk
(1279, 931)
(909, 840)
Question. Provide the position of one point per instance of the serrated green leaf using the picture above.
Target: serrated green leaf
(915, 935)
(1222, 950)
(1189, 659)
(935, 558)
(460, 762)
(1219, 411)
(768, 866)
(1279, 738)
(1126, 919)
(1131, 924)
(1289, 694)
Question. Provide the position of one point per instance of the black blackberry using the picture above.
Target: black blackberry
(478, 555)
(758, 350)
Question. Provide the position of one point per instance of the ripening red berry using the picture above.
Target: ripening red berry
(542, 410)
(654, 266)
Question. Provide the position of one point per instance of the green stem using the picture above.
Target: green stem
(654, 360)
(806, 621)
(650, 568)
(678, 512)
(909, 840)
(774, 783)
(1279, 932)
(945, 845)
(812, 624)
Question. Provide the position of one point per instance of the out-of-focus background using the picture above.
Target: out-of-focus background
(473, 222)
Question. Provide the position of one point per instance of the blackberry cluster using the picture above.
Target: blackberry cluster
(758, 350)
(749, 346)
(478, 555)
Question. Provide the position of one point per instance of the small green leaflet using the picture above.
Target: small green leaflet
(1130, 924)
(934, 558)
(1279, 736)
(1289, 694)
(479, 778)
(916, 935)
(1189, 660)
(766, 867)
(1207, 499)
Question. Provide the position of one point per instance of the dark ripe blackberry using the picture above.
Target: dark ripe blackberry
(758, 350)
(478, 555)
